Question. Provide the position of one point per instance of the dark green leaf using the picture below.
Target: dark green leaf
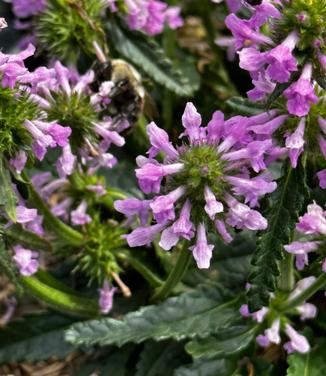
(35, 337)
(310, 364)
(286, 204)
(226, 343)
(198, 313)
(161, 358)
(243, 106)
(321, 80)
(8, 198)
(114, 363)
(202, 367)
(150, 58)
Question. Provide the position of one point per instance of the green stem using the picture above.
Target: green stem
(58, 227)
(175, 275)
(148, 275)
(286, 279)
(27, 238)
(59, 299)
(319, 284)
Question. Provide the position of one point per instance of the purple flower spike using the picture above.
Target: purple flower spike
(19, 161)
(298, 342)
(281, 61)
(202, 251)
(243, 33)
(160, 142)
(132, 206)
(26, 260)
(313, 222)
(294, 143)
(163, 206)
(273, 333)
(183, 226)
(65, 164)
(106, 297)
(191, 120)
(144, 235)
(241, 216)
(212, 206)
(301, 95)
(79, 216)
(151, 174)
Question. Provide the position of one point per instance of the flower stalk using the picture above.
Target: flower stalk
(175, 275)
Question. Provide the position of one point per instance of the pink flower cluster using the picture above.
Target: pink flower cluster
(202, 178)
(271, 65)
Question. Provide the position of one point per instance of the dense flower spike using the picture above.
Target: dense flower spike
(279, 63)
(312, 223)
(200, 180)
(66, 97)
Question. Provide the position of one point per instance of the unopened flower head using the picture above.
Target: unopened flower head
(201, 185)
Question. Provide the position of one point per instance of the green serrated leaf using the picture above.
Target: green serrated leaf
(146, 54)
(35, 337)
(310, 364)
(224, 344)
(161, 358)
(198, 313)
(202, 367)
(8, 198)
(286, 204)
(244, 106)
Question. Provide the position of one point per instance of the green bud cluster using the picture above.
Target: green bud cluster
(67, 27)
(202, 166)
(97, 259)
(15, 108)
(74, 111)
(307, 17)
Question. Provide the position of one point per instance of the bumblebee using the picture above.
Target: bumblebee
(127, 96)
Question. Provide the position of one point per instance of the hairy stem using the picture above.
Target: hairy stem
(58, 298)
(286, 279)
(175, 275)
